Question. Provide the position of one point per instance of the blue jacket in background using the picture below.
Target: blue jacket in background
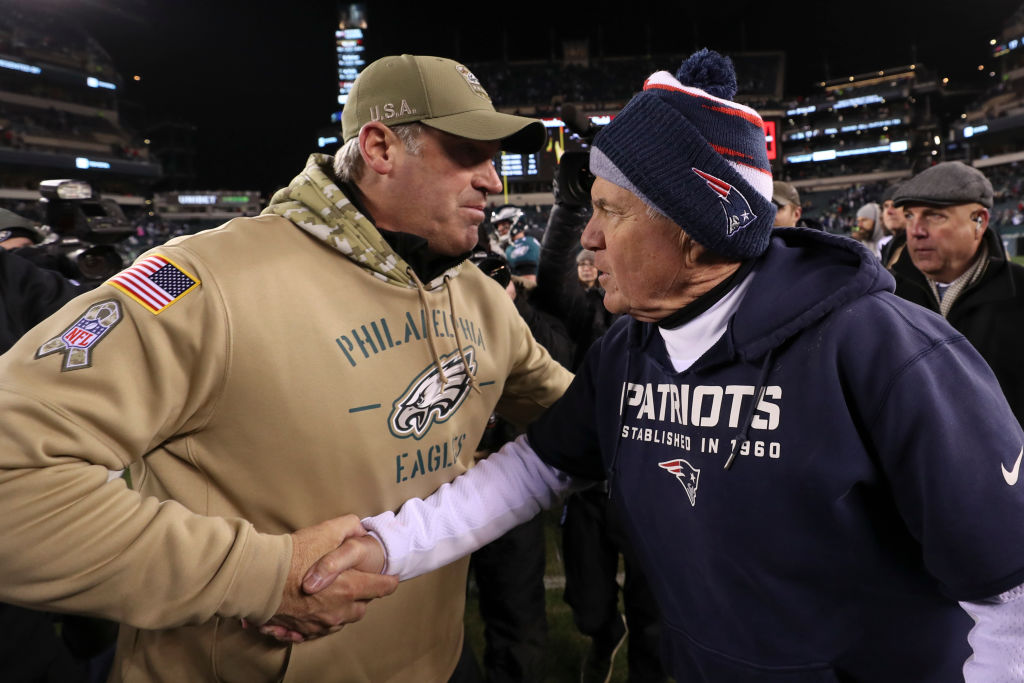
(869, 494)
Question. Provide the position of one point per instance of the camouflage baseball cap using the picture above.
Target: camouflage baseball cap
(439, 93)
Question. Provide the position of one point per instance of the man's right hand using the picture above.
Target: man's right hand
(301, 615)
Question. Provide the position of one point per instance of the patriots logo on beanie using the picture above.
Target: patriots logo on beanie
(688, 122)
(736, 207)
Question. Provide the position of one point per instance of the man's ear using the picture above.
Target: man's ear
(377, 147)
(980, 219)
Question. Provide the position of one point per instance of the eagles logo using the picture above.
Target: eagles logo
(427, 400)
(474, 83)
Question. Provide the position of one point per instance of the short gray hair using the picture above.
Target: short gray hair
(348, 162)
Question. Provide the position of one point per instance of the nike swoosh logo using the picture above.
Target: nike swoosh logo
(1011, 475)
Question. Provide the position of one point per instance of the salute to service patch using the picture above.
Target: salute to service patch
(78, 340)
(154, 282)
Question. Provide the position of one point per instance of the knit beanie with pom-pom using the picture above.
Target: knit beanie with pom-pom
(685, 149)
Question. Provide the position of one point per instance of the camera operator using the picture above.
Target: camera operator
(28, 292)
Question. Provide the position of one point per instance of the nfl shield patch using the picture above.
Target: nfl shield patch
(78, 340)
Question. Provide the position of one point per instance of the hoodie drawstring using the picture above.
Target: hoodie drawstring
(618, 433)
(749, 418)
(430, 335)
(431, 342)
(458, 340)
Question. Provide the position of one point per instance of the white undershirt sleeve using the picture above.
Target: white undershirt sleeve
(997, 638)
(502, 491)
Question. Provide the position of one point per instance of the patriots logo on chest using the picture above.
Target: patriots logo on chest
(687, 474)
(428, 400)
(738, 213)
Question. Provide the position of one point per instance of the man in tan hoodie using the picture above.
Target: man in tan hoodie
(334, 355)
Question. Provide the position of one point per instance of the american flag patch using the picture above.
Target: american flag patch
(154, 282)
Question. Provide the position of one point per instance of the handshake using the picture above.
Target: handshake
(335, 572)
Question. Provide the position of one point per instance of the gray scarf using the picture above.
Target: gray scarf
(962, 283)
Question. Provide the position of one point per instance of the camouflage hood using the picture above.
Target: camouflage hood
(314, 202)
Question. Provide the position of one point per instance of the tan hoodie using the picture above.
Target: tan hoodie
(287, 384)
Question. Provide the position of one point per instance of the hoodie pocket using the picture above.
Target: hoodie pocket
(689, 660)
(246, 656)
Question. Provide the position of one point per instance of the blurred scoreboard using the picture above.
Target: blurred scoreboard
(350, 46)
(519, 166)
(543, 165)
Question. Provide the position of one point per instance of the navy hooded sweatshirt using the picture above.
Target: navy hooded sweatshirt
(874, 484)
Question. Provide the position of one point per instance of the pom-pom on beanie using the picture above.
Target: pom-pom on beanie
(685, 149)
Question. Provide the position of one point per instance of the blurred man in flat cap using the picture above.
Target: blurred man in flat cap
(955, 264)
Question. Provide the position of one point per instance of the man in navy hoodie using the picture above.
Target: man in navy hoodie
(810, 468)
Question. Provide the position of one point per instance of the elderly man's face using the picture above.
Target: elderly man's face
(942, 240)
(639, 258)
(444, 190)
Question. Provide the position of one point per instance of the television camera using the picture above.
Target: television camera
(83, 229)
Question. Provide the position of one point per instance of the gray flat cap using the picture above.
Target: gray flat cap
(946, 184)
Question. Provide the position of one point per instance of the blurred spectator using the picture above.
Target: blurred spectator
(523, 255)
(586, 271)
(787, 199)
(895, 224)
(955, 265)
(504, 219)
(868, 229)
(790, 211)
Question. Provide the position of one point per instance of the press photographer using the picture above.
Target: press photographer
(81, 229)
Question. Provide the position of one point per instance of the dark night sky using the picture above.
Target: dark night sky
(258, 77)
